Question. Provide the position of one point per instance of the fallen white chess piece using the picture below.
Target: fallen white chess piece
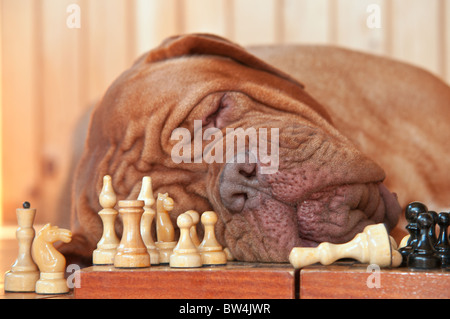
(372, 246)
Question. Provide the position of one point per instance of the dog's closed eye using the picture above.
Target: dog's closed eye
(218, 117)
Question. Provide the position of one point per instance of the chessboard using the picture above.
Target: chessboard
(353, 280)
(239, 280)
(236, 280)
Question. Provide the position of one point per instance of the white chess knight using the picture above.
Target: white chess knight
(50, 261)
(373, 246)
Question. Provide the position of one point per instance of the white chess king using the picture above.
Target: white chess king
(24, 273)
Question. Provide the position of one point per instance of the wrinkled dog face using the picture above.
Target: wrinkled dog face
(232, 134)
(322, 190)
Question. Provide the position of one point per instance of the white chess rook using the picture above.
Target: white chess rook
(131, 252)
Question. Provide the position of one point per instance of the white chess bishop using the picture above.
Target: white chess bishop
(107, 246)
(146, 195)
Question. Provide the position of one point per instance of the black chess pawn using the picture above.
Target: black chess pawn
(443, 244)
(432, 232)
(423, 255)
(412, 211)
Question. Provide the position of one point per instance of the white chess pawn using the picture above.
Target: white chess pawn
(165, 232)
(24, 272)
(146, 195)
(404, 241)
(185, 253)
(210, 249)
(107, 246)
(193, 231)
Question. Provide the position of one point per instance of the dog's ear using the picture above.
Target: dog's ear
(208, 44)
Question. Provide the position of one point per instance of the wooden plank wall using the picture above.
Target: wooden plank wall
(52, 74)
(1, 120)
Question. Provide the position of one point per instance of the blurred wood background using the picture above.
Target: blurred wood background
(52, 72)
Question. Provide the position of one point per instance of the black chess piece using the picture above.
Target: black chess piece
(412, 211)
(432, 232)
(443, 244)
(423, 255)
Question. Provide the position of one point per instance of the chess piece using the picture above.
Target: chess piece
(372, 246)
(404, 241)
(24, 273)
(50, 261)
(193, 231)
(146, 195)
(393, 243)
(131, 252)
(229, 254)
(107, 246)
(423, 255)
(412, 211)
(210, 249)
(432, 231)
(165, 232)
(185, 254)
(443, 244)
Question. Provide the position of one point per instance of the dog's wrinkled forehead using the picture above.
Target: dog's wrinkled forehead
(184, 70)
(206, 44)
(189, 67)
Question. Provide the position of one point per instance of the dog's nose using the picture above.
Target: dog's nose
(238, 183)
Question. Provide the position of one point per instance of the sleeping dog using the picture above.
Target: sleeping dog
(327, 135)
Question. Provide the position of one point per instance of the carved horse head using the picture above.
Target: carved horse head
(44, 254)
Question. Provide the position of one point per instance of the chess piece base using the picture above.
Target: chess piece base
(416, 261)
(214, 258)
(52, 283)
(397, 259)
(103, 256)
(444, 255)
(137, 259)
(165, 250)
(193, 260)
(24, 281)
(405, 252)
(154, 256)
